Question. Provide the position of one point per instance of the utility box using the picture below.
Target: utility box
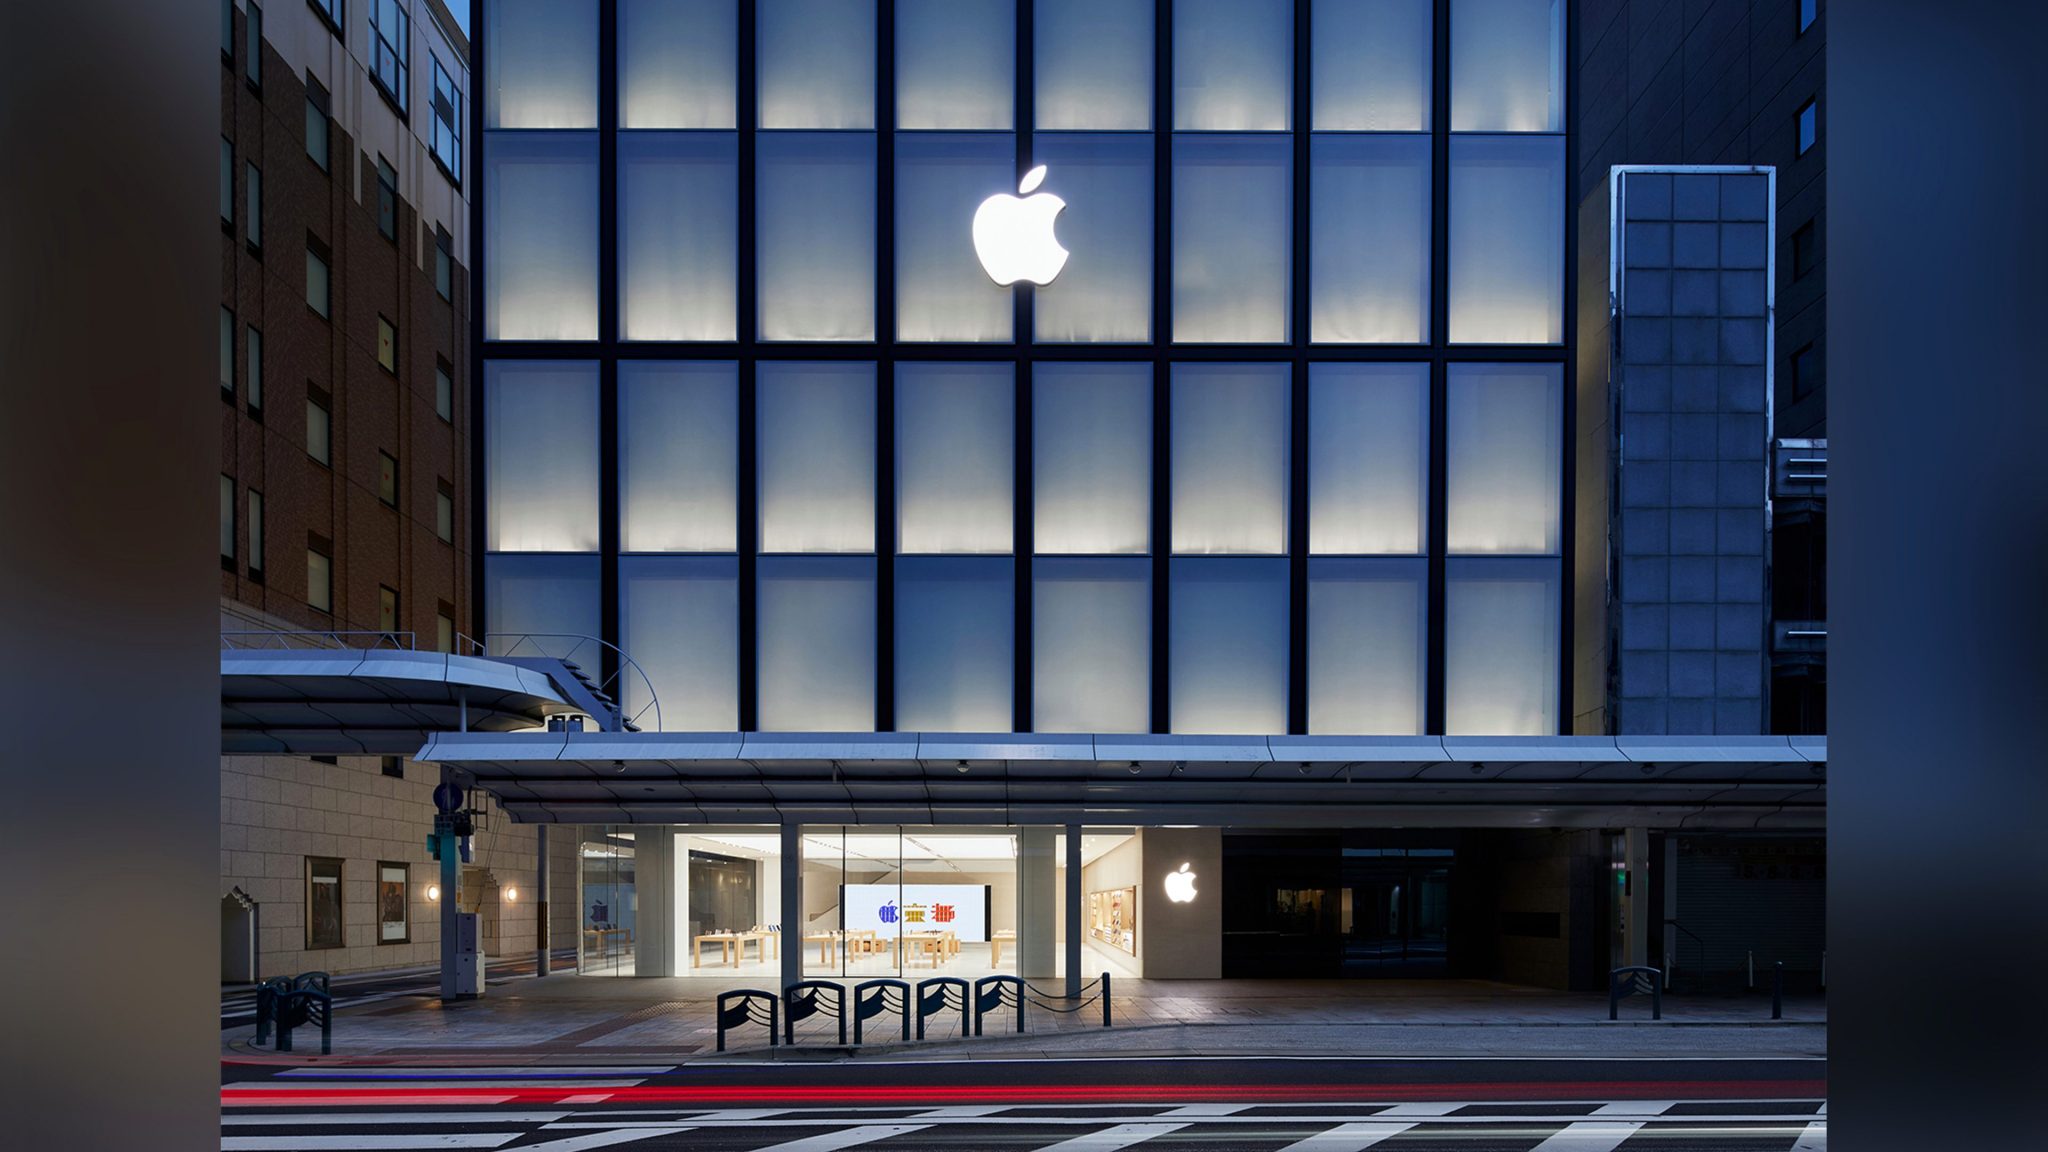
(469, 955)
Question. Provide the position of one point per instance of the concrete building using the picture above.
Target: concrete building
(344, 494)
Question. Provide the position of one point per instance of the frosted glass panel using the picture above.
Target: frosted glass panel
(1504, 453)
(1371, 70)
(815, 235)
(677, 66)
(1507, 61)
(1233, 65)
(816, 635)
(542, 56)
(1368, 457)
(540, 451)
(1104, 294)
(1228, 646)
(679, 620)
(678, 455)
(1369, 240)
(956, 63)
(816, 424)
(1091, 657)
(1231, 437)
(1094, 61)
(1091, 447)
(1507, 239)
(955, 457)
(817, 62)
(541, 594)
(1501, 648)
(955, 629)
(678, 236)
(1232, 238)
(942, 293)
(1365, 647)
(540, 220)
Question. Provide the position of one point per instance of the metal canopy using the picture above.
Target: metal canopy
(1269, 781)
(380, 701)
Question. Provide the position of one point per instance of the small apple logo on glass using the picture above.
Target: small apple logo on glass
(1180, 886)
(1013, 234)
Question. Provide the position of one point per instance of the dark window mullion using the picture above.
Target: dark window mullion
(608, 341)
(885, 367)
(746, 314)
(1298, 331)
(1024, 121)
(1439, 334)
(1162, 384)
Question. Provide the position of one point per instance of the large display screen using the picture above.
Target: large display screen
(889, 909)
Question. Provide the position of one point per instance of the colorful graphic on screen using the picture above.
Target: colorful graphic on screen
(887, 909)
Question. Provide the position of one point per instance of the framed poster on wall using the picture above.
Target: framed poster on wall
(323, 902)
(394, 912)
(1113, 918)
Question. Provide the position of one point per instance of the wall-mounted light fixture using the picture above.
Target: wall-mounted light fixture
(433, 891)
(511, 895)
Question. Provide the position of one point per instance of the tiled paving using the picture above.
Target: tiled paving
(595, 1018)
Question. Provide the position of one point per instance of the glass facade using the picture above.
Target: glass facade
(1280, 449)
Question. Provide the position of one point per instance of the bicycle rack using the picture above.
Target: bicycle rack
(993, 994)
(942, 994)
(871, 998)
(807, 998)
(1640, 974)
(736, 1008)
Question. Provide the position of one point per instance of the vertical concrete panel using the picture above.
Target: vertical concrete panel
(1181, 939)
(1037, 922)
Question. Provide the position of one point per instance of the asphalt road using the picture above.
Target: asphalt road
(1040, 1105)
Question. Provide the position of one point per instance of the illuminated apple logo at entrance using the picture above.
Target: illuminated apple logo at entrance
(1013, 234)
(1180, 886)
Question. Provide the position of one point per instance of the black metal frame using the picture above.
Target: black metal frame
(885, 352)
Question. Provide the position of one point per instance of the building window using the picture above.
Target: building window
(1809, 126)
(255, 370)
(255, 209)
(541, 457)
(387, 479)
(444, 628)
(541, 229)
(255, 535)
(330, 11)
(394, 884)
(254, 65)
(1805, 250)
(387, 346)
(447, 136)
(387, 200)
(227, 31)
(444, 511)
(227, 185)
(444, 390)
(1805, 372)
(316, 279)
(319, 425)
(387, 609)
(323, 902)
(444, 263)
(227, 522)
(319, 573)
(390, 48)
(227, 354)
(1809, 11)
(316, 122)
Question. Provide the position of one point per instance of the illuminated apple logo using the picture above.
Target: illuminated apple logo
(1013, 234)
(1180, 886)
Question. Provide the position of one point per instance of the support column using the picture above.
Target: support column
(540, 907)
(1037, 900)
(792, 904)
(654, 881)
(451, 883)
(1635, 897)
(1669, 928)
(1073, 917)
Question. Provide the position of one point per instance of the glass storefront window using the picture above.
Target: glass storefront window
(609, 901)
(817, 63)
(678, 235)
(956, 63)
(1094, 60)
(541, 456)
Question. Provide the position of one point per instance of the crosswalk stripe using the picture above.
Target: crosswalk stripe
(1425, 1108)
(603, 1139)
(365, 1142)
(845, 1138)
(1111, 1139)
(1205, 1110)
(1349, 1137)
(1589, 1136)
(1634, 1108)
(961, 1112)
(1814, 1139)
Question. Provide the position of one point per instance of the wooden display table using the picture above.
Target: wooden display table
(995, 945)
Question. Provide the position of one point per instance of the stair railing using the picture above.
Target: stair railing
(566, 646)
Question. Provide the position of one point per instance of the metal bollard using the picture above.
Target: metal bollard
(1778, 990)
(1105, 999)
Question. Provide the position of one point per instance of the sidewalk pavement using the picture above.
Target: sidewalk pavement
(593, 1020)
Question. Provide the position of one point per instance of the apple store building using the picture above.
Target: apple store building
(1026, 451)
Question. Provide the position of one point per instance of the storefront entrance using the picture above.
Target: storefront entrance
(1328, 904)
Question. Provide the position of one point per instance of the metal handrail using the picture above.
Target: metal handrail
(274, 639)
(513, 644)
